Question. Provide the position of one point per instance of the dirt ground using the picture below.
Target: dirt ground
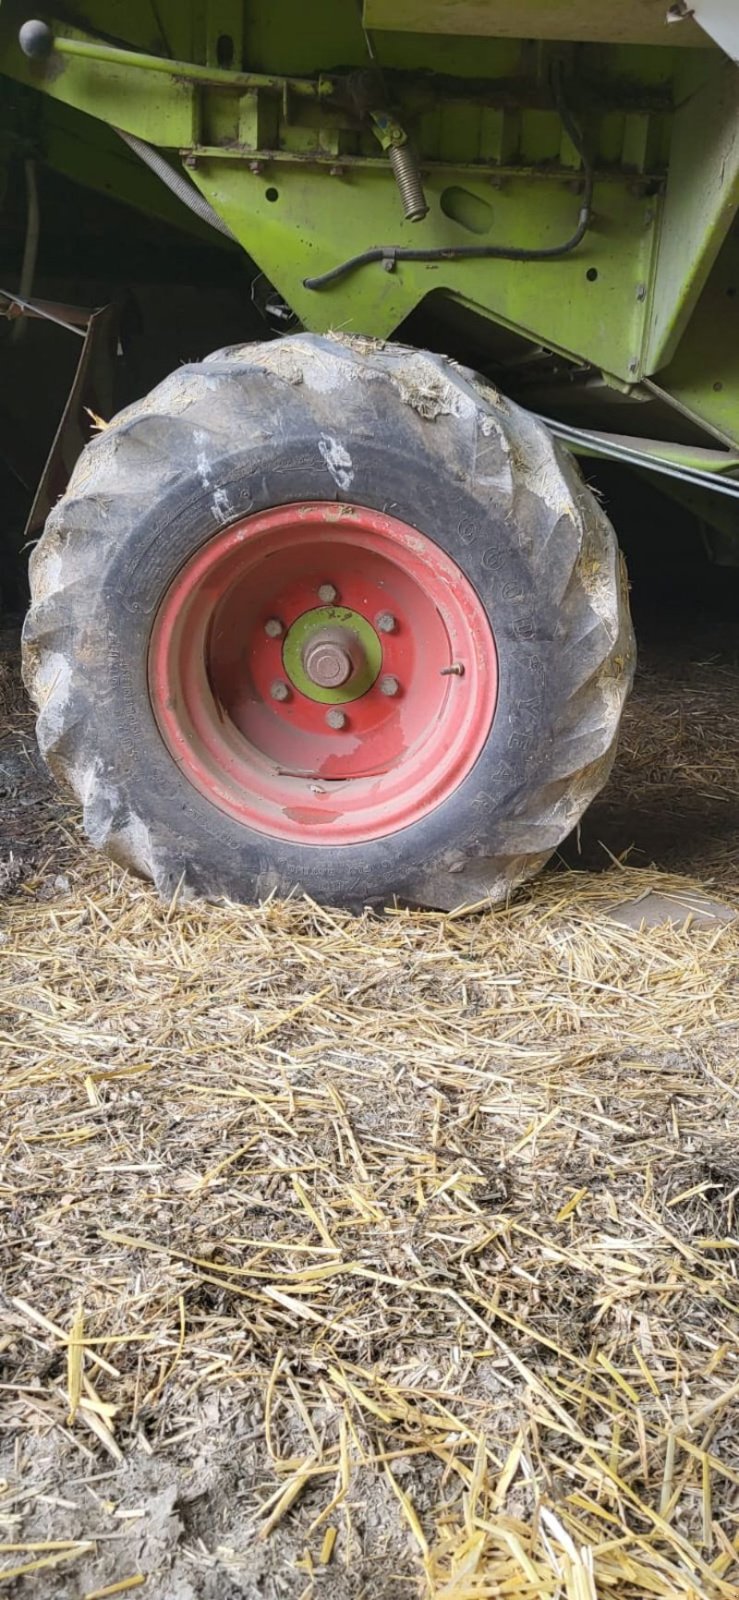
(388, 1256)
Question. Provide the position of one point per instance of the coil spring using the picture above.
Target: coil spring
(408, 178)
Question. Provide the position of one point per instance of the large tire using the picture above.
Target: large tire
(379, 426)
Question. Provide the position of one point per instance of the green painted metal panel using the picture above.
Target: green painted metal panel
(703, 376)
(264, 105)
(299, 221)
(604, 21)
(159, 107)
(700, 205)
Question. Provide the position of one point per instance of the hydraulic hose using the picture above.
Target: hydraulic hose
(30, 246)
(179, 185)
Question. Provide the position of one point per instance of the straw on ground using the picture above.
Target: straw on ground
(445, 1203)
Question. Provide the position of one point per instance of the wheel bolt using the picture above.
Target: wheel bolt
(385, 622)
(279, 690)
(389, 685)
(273, 628)
(327, 594)
(336, 718)
(327, 664)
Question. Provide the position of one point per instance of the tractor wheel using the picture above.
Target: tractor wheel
(328, 615)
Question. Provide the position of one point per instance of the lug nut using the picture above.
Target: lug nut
(336, 718)
(279, 690)
(385, 622)
(389, 685)
(273, 628)
(327, 594)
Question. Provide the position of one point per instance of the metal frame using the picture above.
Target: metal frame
(263, 107)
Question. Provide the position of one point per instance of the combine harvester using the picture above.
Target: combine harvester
(333, 611)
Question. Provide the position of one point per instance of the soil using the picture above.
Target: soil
(177, 1507)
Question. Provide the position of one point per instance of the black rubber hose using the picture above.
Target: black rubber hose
(482, 252)
(177, 183)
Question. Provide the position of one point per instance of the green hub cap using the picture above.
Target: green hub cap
(332, 655)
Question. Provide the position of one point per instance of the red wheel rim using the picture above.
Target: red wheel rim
(414, 711)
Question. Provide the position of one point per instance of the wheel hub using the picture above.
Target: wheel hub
(332, 654)
(331, 723)
(327, 662)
